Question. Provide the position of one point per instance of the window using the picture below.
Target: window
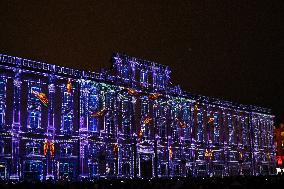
(33, 166)
(67, 124)
(200, 155)
(217, 155)
(93, 170)
(233, 156)
(143, 78)
(125, 73)
(126, 126)
(160, 81)
(34, 119)
(65, 150)
(93, 151)
(32, 148)
(65, 169)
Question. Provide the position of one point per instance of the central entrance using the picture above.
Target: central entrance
(146, 165)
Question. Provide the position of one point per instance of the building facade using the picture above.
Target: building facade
(57, 122)
(279, 143)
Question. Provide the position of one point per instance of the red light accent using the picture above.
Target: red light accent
(147, 120)
(69, 86)
(48, 146)
(132, 92)
(171, 152)
(42, 97)
(279, 160)
(140, 134)
(182, 124)
(155, 96)
(210, 120)
(99, 114)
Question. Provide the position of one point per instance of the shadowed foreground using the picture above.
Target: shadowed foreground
(175, 183)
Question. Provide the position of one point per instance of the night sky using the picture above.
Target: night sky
(232, 50)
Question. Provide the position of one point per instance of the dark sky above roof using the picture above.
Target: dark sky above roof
(225, 49)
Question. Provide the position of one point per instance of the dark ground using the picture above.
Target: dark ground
(259, 182)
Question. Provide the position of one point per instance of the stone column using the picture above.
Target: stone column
(50, 131)
(16, 126)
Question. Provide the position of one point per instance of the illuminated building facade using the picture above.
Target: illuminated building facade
(279, 143)
(57, 122)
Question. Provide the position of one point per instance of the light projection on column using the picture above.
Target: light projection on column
(170, 152)
(144, 130)
(173, 119)
(3, 82)
(185, 123)
(144, 78)
(17, 98)
(230, 128)
(216, 128)
(244, 131)
(69, 86)
(48, 146)
(92, 109)
(126, 118)
(111, 116)
(161, 120)
(34, 106)
(200, 125)
(125, 73)
(104, 124)
(66, 111)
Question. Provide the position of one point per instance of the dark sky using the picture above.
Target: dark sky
(232, 50)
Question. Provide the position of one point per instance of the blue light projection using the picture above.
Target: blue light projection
(58, 122)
